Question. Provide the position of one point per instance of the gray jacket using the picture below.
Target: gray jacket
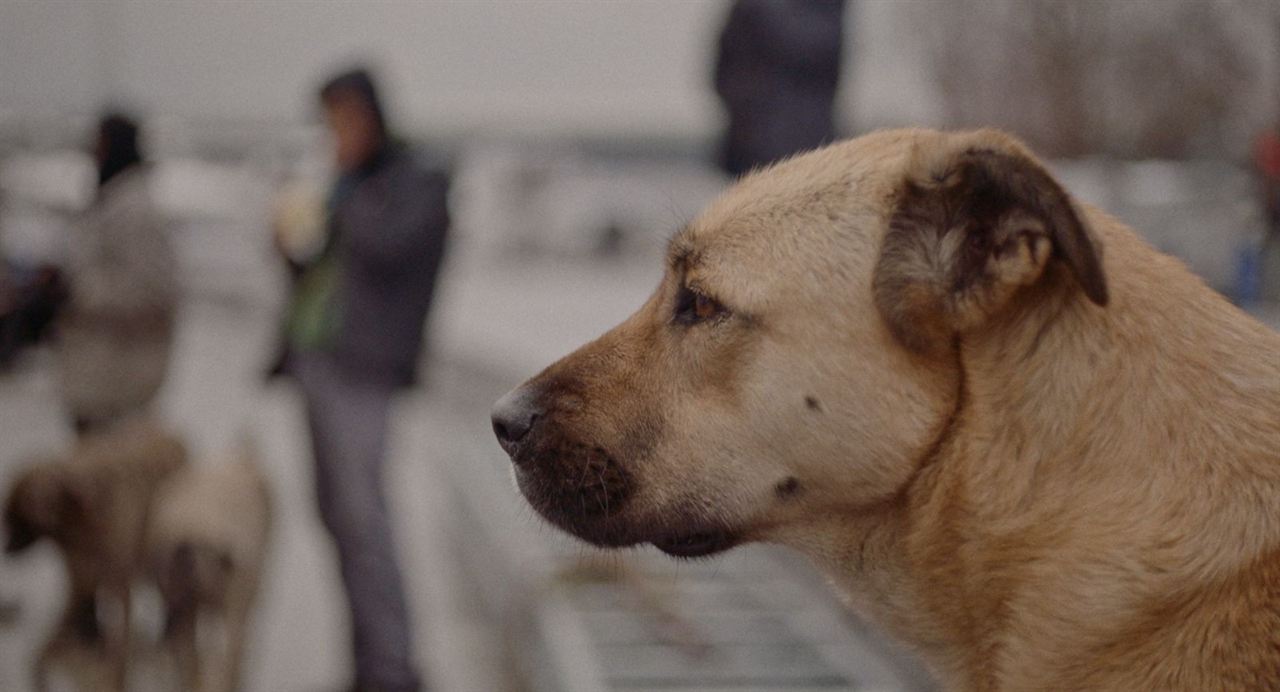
(390, 230)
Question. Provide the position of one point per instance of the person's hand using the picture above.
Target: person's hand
(298, 220)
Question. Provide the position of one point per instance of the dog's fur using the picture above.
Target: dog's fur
(1012, 432)
(93, 504)
(207, 544)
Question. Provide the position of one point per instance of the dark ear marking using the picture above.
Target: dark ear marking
(965, 236)
(20, 527)
(1008, 182)
(20, 533)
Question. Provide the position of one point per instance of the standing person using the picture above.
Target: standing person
(776, 73)
(1267, 162)
(1266, 156)
(114, 337)
(354, 331)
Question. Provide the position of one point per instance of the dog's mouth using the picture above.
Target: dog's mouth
(583, 488)
(696, 544)
(591, 503)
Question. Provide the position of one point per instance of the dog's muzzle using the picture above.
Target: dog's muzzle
(571, 480)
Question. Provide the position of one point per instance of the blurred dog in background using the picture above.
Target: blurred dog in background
(126, 509)
(206, 547)
(94, 503)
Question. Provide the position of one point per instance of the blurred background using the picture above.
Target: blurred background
(577, 135)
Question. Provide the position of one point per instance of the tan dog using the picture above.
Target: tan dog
(1013, 433)
(94, 503)
(207, 546)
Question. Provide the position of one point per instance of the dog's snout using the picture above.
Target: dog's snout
(513, 416)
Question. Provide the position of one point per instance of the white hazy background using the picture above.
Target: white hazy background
(602, 68)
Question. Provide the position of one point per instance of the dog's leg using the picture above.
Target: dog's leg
(126, 636)
(117, 639)
(40, 669)
(78, 625)
(82, 616)
(236, 625)
(180, 641)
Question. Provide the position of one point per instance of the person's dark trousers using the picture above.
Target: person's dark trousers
(348, 420)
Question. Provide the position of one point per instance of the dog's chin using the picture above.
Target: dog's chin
(620, 531)
(696, 544)
(683, 544)
(614, 534)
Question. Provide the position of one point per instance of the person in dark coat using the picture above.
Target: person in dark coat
(776, 73)
(354, 331)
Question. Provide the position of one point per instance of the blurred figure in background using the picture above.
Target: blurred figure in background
(1267, 162)
(354, 330)
(30, 299)
(114, 338)
(776, 72)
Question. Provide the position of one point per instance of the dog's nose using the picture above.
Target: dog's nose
(513, 416)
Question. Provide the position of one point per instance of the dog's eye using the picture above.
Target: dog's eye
(693, 307)
(704, 308)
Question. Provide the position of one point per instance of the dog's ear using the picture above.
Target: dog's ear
(19, 533)
(46, 502)
(26, 519)
(970, 228)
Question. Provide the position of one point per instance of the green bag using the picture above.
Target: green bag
(314, 310)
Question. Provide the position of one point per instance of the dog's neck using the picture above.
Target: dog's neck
(1061, 393)
(1077, 426)
(1034, 381)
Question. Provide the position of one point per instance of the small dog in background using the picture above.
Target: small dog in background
(206, 547)
(94, 503)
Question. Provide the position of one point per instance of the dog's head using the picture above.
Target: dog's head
(48, 499)
(798, 357)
